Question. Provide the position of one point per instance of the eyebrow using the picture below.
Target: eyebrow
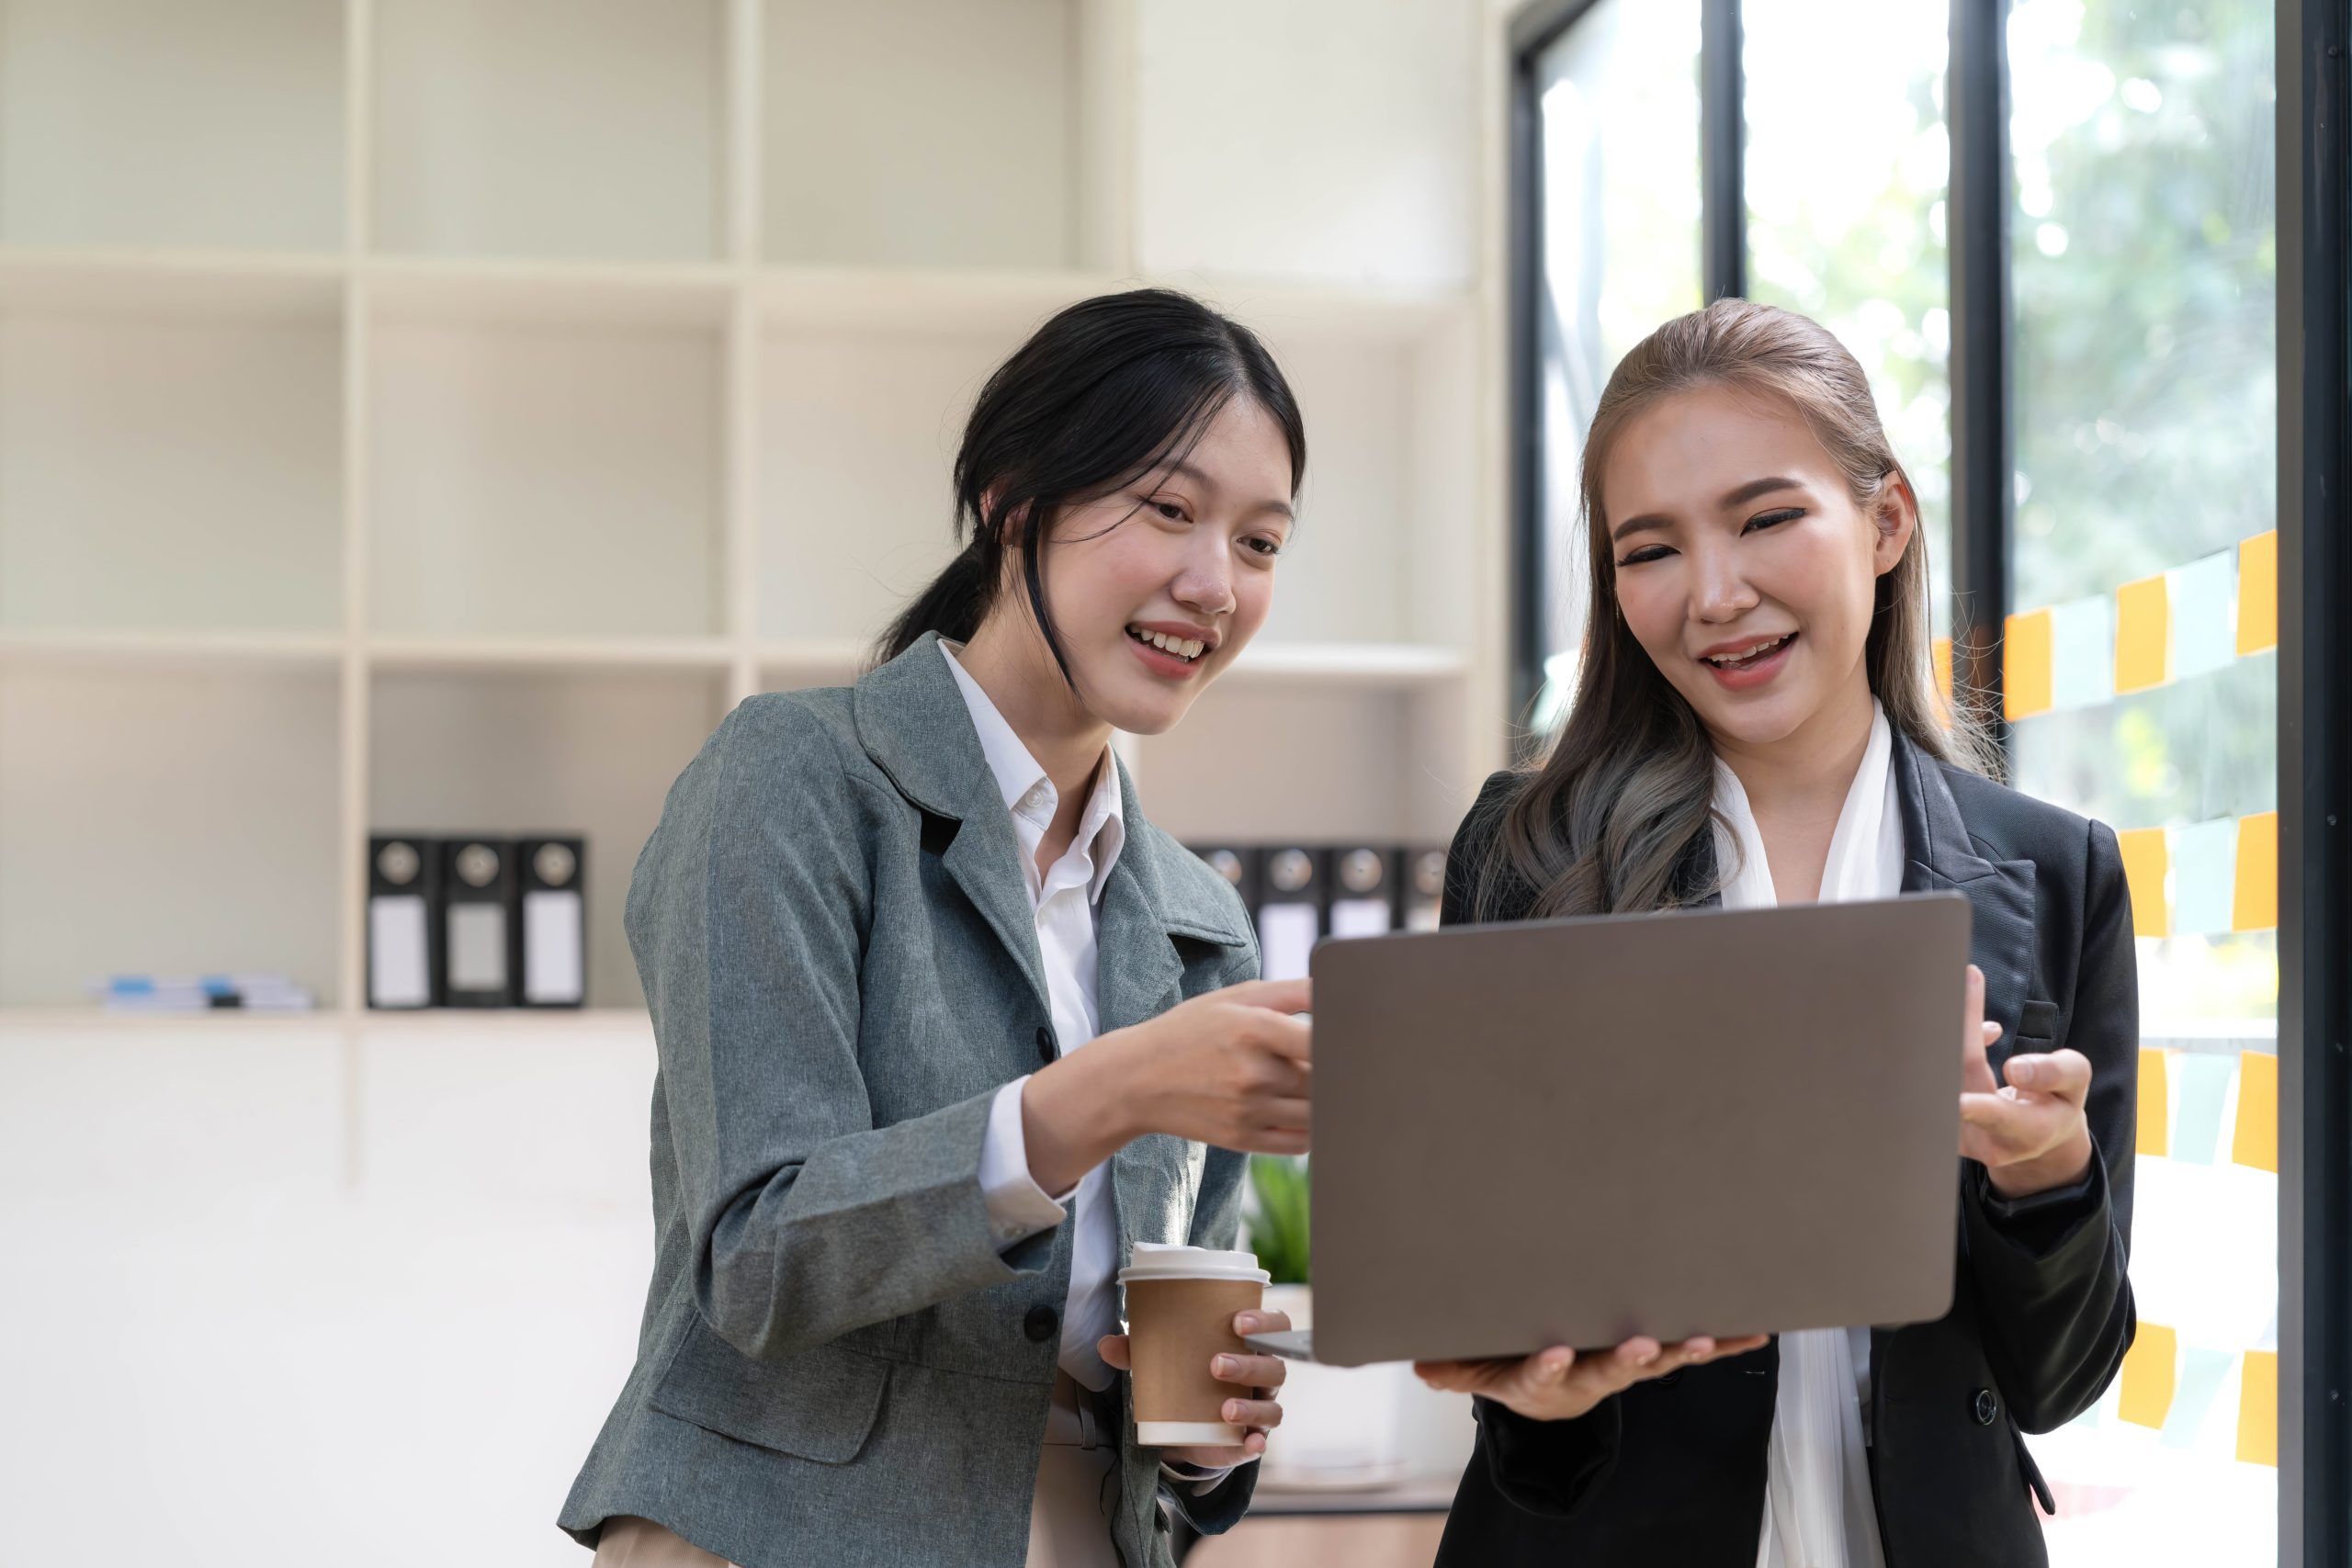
(1184, 470)
(1738, 496)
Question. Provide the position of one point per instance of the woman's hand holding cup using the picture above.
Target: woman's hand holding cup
(1257, 1380)
(1558, 1384)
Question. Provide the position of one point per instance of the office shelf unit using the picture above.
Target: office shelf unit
(436, 413)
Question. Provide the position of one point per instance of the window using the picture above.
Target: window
(1846, 209)
(2134, 314)
(1617, 101)
(2143, 690)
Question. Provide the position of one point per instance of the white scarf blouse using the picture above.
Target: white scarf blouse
(1818, 1511)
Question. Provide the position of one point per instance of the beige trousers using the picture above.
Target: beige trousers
(1069, 1519)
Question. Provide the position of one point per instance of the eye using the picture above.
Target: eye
(1773, 519)
(1645, 555)
(1263, 546)
(1171, 511)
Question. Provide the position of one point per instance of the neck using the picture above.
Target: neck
(1020, 676)
(1809, 771)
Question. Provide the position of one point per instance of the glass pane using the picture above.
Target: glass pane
(1846, 209)
(2144, 269)
(1618, 106)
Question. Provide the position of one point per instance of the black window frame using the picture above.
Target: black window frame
(2314, 335)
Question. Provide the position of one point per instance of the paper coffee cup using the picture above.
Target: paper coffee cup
(1181, 1305)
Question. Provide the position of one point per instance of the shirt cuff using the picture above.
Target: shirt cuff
(1018, 1208)
(2072, 1195)
(1203, 1478)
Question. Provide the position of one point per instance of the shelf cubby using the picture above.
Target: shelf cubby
(549, 128)
(1390, 406)
(789, 666)
(497, 292)
(1321, 143)
(544, 480)
(1316, 764)
(542, 750)
(133, 802)
(156, 123)
(544, 376)
(986, 150)
(858, 435)
(169, 462)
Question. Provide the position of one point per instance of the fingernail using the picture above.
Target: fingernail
(2021, 1073)
(1232, 1411)
(1223, 1366)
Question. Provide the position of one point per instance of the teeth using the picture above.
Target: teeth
(1738, 661)
(1182, 648)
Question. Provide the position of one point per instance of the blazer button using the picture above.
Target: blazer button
(1989, 1408)
(1040, 1324)
(1045, 1046)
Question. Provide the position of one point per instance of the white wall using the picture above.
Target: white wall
(270, 1298)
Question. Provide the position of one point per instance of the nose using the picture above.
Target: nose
(1205, 583)
(1718, 592)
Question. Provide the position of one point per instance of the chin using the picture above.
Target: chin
(1141, 718)
(1756, 724)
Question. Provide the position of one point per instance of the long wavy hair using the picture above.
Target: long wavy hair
(1617, 817)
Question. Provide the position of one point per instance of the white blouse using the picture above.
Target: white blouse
(1818, 1511)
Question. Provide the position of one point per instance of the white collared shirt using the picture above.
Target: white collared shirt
(1818, 1511)
(1066, 899)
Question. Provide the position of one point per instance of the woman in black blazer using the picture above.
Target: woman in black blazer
(1754, 721)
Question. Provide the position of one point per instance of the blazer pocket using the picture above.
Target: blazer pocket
(2039, 1026)
(817, 1405)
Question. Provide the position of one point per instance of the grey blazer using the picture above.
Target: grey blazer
(836, 1367)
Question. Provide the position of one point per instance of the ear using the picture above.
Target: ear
(1894, 517)
(988, 498)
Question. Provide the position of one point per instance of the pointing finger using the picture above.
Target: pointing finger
(1276, 996)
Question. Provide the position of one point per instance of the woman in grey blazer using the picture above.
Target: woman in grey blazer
(947, 1026)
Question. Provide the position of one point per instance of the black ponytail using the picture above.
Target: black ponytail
(1107, 390)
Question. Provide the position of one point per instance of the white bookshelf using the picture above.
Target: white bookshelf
(434, 414)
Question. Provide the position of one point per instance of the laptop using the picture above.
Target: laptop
(1571, 1132)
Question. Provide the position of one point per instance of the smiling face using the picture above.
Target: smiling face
(1157, 587)
(1744, 566)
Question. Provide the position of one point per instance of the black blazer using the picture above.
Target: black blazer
(1672, 1471)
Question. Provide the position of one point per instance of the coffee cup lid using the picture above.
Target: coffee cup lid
(1160, 1260)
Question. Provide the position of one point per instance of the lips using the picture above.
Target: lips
(1742, 666)
(1169, 664)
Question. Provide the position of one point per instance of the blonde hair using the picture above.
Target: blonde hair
(1616, 817)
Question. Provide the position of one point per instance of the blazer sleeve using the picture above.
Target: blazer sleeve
(747, 915)
(1216, 1223)
(2054, 1300)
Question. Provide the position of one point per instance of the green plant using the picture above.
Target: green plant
(1279, 1188)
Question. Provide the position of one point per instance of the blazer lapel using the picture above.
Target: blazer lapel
(1138, 975)
(1938, 855)
(912, 721)
(1157, 896)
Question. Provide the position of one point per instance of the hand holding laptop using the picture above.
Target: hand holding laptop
(1558, 1384)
